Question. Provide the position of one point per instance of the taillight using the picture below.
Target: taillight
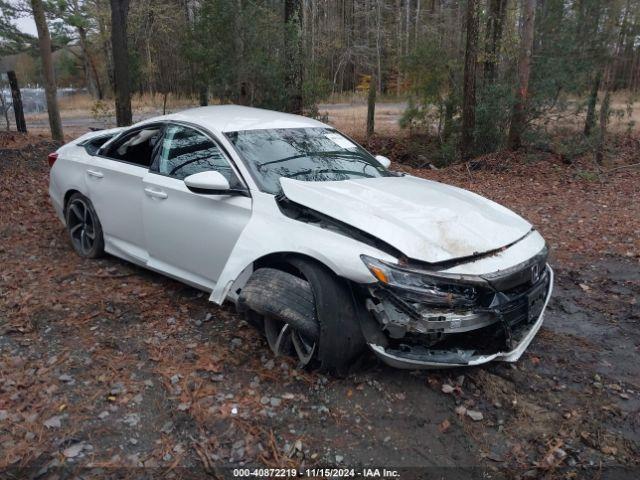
(52, 158)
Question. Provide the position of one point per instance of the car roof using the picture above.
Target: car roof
(233, 118)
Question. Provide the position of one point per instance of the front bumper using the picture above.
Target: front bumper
(426, 358)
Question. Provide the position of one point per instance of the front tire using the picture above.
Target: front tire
(83, 227)
(307, 312)
(338, 315)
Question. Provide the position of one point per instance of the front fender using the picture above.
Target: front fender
(270, 232)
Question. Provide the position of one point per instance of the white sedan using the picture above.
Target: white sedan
(313, 238)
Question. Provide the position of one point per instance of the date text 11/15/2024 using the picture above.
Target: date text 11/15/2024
(315, 472)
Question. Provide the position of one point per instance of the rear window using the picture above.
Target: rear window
(136, 147)
(93, 145)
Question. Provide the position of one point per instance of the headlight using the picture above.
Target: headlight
(420, 286)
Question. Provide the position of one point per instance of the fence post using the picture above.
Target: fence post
(21, 125)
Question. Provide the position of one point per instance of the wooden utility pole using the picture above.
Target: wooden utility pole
(21, 125)
(519, 115)
(50, 88)
(119, 14)
(469, 87)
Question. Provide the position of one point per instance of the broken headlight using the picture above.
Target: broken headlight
(418, 286)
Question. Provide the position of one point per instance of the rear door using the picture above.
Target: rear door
(188, 235)
(114, 181)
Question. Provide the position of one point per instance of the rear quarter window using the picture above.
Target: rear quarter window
(93, 145)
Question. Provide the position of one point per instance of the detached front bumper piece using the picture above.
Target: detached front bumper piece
(457, 340)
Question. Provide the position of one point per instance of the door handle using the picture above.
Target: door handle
(155, 193)
(95, 173)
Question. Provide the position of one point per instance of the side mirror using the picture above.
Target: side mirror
(208, 183)
(384, 161)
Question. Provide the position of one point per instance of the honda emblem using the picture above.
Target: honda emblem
(535, 273)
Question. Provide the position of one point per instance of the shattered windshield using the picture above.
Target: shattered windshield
(309, 154)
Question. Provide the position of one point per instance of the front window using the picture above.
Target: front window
(186, 151)
(309, 154)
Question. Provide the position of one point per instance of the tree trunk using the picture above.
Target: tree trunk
(469, 87)
(5, 110)
(590, 121)
(122, 86)
(379, 42)
(371, 106)
(497, 12)
(607, 86)
(105, 46)
(91, 75)
(50, 89)
(203, 95)
(407, 25)
(417, 26)
(398, 46)
(293, 51)
(449, 108)
(519, 115)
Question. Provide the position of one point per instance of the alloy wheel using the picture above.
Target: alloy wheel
(283, 339)
(81, 226)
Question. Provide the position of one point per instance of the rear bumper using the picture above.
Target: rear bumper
(439, 359)
(56, 200)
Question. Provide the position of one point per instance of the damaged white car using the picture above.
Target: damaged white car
(324, 248)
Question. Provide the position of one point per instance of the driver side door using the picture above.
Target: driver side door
(189, 236)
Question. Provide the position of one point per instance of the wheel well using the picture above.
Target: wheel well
(281, 261)
(67, 196)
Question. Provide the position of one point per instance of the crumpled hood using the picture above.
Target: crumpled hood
(425, 220)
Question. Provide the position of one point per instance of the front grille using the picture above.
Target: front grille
(519, 277)
(517, 305)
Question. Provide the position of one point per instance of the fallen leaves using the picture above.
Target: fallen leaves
(444, 426)
(53, 422)
(446, 388)
(73, 450)
(553, 457)
(88, 338)
(475, 415)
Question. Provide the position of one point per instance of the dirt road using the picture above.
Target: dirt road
(106, 367)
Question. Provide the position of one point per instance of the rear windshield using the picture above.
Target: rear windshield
(309, 154)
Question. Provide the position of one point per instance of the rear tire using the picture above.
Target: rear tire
(83, 226)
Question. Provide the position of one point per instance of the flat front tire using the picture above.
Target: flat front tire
(310, 315)
(337, 313)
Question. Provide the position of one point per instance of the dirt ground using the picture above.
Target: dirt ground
(106, 368)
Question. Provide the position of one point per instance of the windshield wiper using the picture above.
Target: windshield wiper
(334, 153)
(329, 170)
